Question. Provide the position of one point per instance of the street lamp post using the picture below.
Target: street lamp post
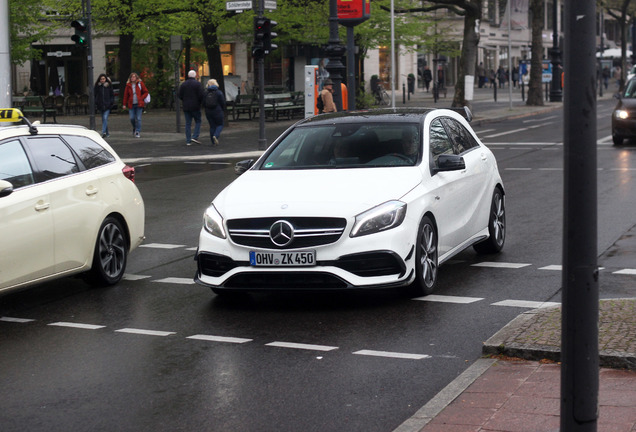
(556, 94)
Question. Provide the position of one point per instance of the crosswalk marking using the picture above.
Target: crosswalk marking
(449, 299)
(77, 325)
(392, 354)
(133, 277)
(627, 271)
(551, 267)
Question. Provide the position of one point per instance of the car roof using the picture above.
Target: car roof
(392, 115)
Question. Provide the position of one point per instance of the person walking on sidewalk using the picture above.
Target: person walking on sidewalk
(191, 93)
(104, 100)
(327, 97)
(214, 102)
(135, 96)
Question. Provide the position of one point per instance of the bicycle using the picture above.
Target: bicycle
(381, 96)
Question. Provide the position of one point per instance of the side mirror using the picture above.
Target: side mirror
(6, 188)
(448, 162)
(243, 166)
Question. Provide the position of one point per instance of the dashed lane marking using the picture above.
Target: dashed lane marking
(211, 338)
(77, 325)
(133, 277)
(449, 299)
(392, 354)
(145, 332)
(500, 265)
(15, 320)
(552, 267)
(174, 280)
(161, 246)
(301, 346)
(525, 304)
(625, 272)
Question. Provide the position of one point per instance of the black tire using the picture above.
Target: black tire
(111, 253)
(426, 256)
(618, 140)
(496, 226)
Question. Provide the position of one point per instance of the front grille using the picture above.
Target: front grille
(379, 263)
(308, 231)
(284, 280)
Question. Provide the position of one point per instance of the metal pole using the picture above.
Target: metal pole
(260, 64)
(392, 55)
(335, 50)
(556, 94)
(510, 55)
(600, 87)
(5, 57)
(579, 337)
(351, 69)
(91, 90)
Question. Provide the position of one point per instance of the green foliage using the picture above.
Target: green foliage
(27, 27)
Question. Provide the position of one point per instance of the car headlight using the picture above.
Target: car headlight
(621, 114)
(380, 218)
(213, 222)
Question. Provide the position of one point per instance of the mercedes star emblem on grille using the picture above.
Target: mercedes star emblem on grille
(281, 233)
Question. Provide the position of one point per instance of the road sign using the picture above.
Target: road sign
(238, 5)
(270, 4)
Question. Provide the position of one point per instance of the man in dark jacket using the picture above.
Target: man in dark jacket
(191, 95)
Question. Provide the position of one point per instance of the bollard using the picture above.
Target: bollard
(404, 94)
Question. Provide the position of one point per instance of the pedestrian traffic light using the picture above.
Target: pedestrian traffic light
(81, 32)
(259, 37)
(268, 46)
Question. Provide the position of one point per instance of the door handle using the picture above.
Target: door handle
(91, 190)
(41, 206)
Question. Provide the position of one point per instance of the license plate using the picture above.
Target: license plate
(283, 259)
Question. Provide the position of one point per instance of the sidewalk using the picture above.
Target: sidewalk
(516, 386)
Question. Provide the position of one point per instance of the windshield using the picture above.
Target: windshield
(351, 145)
(630, 90)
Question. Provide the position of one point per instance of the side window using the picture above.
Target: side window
(14, 165)
(440, 143)
(90, 153)
(462, 139)
(52, 157)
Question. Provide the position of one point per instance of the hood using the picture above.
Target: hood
(314, 192)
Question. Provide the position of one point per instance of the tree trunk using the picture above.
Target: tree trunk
(213, 50)
(125, 60)
(468, 58)
(535, 93)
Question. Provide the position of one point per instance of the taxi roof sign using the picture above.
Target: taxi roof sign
(10, 115)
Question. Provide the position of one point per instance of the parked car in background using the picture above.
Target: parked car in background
(68, 205)
(624, 114)
(368, 199)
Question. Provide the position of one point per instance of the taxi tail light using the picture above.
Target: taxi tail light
(129, 173)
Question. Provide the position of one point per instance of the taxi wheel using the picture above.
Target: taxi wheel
(111, 253)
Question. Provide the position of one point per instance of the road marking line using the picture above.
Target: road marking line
(301, 346)
(552, 267)
(536, 120)
(500, 265)
(449, 299)
(192, 248)
(175, 280)
(15, 320)
(77, 325)
(625, 272)
(392, 354)
(133, 277)
(518, 169)
(525, 304)
(161, 246)
(144, 332)
(219, 339)
(550, 169)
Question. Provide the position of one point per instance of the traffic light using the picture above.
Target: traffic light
(268, 46)
(259, 37)
(263, 36)
(81, 32)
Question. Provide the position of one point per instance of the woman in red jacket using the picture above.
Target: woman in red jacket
(134, 100)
